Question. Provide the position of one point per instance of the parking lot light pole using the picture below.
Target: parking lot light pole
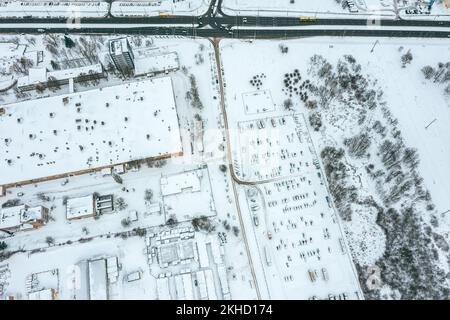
(376, 42)
(237, 28)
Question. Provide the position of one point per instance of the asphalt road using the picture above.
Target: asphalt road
(242, 21)
(214, 23)
(240, 33)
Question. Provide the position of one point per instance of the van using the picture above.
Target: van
(325, 274)
(312, 275)
(255, 220)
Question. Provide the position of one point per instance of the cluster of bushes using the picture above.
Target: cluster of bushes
(410, 262)
(203, 223)
(336, 172)
(193, 94)
(439, 74)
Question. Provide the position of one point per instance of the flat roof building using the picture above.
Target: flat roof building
(22, 218)
(175, 184)
(156, 63)
(41, 76)
(192, 187)
(45, 294)
(79, 208)
(162, 288)
(82, 132)
(98, 281)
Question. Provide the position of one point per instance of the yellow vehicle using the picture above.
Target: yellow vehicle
(304, 19)
(164, 14)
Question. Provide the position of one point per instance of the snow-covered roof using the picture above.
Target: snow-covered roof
(222, 272)
(133, 276)
(19, 215)
(154, 208)
(201, 283)
(86, 130)
(177, 183)
(45, 294)
(75, 72)
(98, 287)
(162, 287)
(187, 286)
(35, 75)
(118, 46)
(10, 217)
(80, 207)
(82, 287)
(202, 254)
(41, 75)
(156, 63)
(32, 214)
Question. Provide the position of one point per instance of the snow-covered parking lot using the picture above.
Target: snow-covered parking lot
(366, 141)
(53, 9)
(160, 7)
(323, 8)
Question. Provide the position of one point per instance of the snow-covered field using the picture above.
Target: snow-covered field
(408, 97)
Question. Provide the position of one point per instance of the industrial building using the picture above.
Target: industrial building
(96, 275)
(22, 217)
(41, 77)
(88, 131)
(79, 208)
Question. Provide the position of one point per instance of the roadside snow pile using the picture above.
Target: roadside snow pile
(53, 9)
(161, 7)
